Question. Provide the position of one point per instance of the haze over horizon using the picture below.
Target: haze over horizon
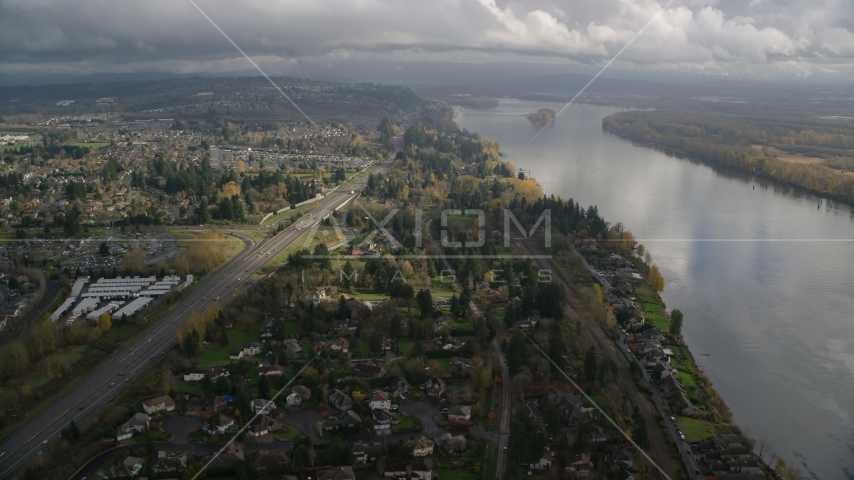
(780, 40)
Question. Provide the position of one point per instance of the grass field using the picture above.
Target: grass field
(290, 434)
(455, 474)
(218, 354)
(91, 144)
(659, 321)
(651, 307)
(695, 430)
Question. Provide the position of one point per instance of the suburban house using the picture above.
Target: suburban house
(236, 354)
(267, 461)
(218, 424)
(129, 467)
(159, 404)
(544, 464)
(206, 403)
(168, 462)
(251, 349)
(451, 443)
(398, 387)
(416, 470)
(458, 413)
(367, 452)
(194, 376)
(580, 466)
(421, 447)
(262, 425)
(568, 406)
(342, 419)
(297, 394)
(368, 369)
(339, 345)
(441, 322)
(624, 475)
(135, 424)
(271, 371)
(346, 324)
(291, 345)
(382, 420)
(337, 473)
(434, 387)
(215, 372)
(619, 457)
(379, 401)
(263, 406)
(337, 399)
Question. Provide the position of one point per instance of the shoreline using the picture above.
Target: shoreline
(648, 143)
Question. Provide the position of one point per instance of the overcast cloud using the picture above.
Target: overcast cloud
(744, 37)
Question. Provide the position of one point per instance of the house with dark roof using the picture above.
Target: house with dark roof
(367, 452)
(570, 407)
(297, 394)
(619, 457)
(368, 370)
(418, 470)
(206, 403)
(169, 462)
(382, 421)
(434, 387)
(337, 473)
(398, 387)
(218, 424)
(342, 420)
(451, 443)
(337, 399)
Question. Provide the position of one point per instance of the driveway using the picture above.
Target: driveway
(305, 420)
(180, 427)
(424, 411)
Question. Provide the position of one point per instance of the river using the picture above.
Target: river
(761, 272)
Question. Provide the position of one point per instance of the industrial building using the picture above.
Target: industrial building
(119, 296)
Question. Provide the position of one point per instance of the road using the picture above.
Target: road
(222, 286)
(659, 450)
(503, 415)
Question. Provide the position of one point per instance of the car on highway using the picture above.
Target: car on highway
(2, 454)
(121, 373)
(113, 384)
(149, 340)
(81, 407)
(217, 297)
(45, 441)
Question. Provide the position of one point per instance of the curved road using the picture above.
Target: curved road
(82, 400)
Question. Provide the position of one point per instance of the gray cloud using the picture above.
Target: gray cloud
(729, 37)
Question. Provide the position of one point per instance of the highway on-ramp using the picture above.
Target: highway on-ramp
(88, 395)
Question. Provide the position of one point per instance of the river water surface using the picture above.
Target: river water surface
(762, 273)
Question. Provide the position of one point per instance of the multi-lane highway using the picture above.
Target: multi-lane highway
(87, 396)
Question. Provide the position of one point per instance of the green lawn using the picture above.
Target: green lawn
(659, 321)
(289, 434)
(455, 474)
(652, 307)
(406, 423)
(695, 430)
(687, 379)
(218, 355)
(403, 345)
(647, 298)
(193, 388)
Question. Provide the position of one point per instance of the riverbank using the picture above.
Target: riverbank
(811, 177)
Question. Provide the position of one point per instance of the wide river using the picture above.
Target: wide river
(762, 273)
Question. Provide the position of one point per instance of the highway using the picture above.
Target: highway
(87, 396)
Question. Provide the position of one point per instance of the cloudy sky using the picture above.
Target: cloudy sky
(794, 38)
